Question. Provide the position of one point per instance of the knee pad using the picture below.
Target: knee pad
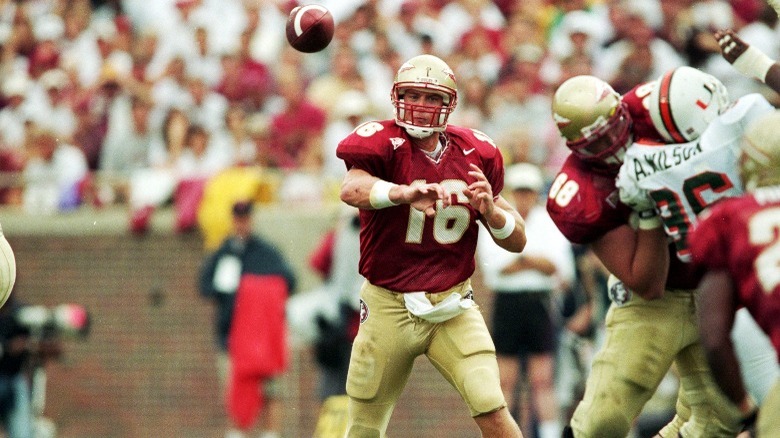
(482, 391)
(605, 424)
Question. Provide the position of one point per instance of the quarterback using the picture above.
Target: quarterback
(7, 269)
(736, 242)
(422, 187)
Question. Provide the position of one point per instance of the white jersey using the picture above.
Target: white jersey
(682, 179)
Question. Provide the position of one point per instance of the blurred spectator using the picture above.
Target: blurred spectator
(344, 76)
(473, 106)
(458, 17)
(519, 98)
(204, 63)
(525, 319)
(637, 55)
(130, 144)
(296, 132)
(479, 53)
(51, 103)
(55, 174)
(205, 107)
(234, 139)
(265, 25)
(245, 81)
(380, 67)
(350, 110)
(248, 270)
(16, 111)
(337, 314)
(152, 186)
(47, 29)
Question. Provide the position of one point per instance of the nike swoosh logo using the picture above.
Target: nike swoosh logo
(468, 151)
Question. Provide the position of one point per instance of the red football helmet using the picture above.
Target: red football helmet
(594, 121)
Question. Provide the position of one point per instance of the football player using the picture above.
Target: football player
(683, 179)
(422, 186)
(736, 242)
(7, 269)
(652, 320)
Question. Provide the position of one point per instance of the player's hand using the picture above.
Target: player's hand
(731, 46)
(480, 193)
(424, 197)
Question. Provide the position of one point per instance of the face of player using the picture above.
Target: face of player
(422, 107)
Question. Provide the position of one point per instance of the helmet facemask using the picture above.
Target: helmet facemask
(605, 143)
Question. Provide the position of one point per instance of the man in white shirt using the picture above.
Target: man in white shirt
(524, 323)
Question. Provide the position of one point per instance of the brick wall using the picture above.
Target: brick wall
(147, 368)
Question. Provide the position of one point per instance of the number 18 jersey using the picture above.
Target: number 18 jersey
(683, 179)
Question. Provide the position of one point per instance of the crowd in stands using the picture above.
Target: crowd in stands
(141, 103)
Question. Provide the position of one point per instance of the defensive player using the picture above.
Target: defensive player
(736, 242)
(583, 202)
(682, 179)
(421, 187)
(7, 269)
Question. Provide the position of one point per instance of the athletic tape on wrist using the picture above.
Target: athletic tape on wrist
(507, 229)
(753, 63)
(380, 195)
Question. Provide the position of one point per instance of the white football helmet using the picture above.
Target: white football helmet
(7, 269)
(684, 101)
(431, 74)
(759, 162)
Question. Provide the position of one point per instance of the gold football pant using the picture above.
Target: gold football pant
(643, 338)
(769, 414)
(389, 340)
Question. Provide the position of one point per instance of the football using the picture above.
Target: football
(310, 28)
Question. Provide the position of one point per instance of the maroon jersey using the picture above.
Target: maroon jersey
(742, 235)
(585, 205)
(400, 248)
(636, 102)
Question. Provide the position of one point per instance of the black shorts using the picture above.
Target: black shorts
(523, 323)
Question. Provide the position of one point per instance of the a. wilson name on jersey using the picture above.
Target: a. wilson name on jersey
(666, 157)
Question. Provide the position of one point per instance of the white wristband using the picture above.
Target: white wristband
(507, 229)
(380, 195)
(649, 220)
(754, 63)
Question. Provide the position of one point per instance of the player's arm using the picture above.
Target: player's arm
(639, 258)
(501, 221)
(716, 318)
(506, 226)
(748, 60)
(365, 191)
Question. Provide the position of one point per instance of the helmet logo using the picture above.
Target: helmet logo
(561, 121)
(406, 67)
(449, 73)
